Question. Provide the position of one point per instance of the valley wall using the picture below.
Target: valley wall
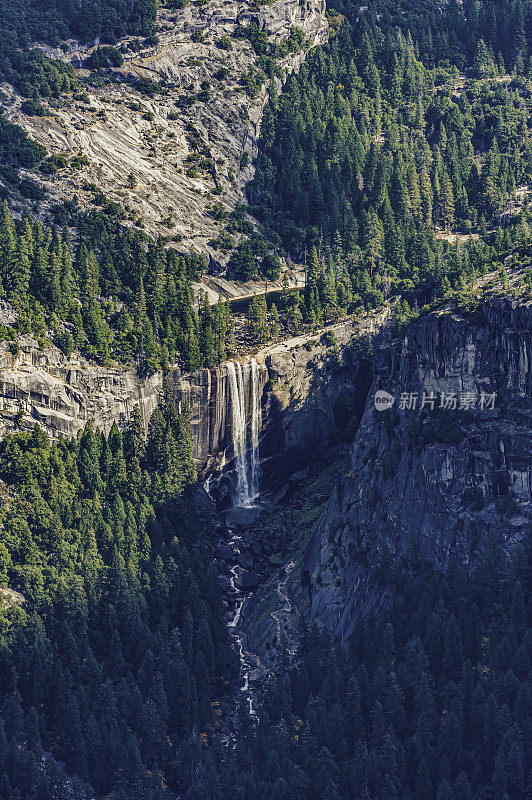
(61, 394)
(435, 487)
(300, 376)
(184, 152)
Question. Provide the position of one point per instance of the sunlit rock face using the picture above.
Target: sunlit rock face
(43, 387)
(185, 149)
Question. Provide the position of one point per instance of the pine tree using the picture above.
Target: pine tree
(258, 319)
(447, 203)
(19, 271)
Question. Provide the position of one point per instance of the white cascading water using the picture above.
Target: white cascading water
(238, 428)
(245, 666)
(247, 486)
(256, 422)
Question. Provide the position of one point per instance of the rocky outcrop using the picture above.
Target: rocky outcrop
(183, 144)
(432, 484)
(308, 375)
(60, 395)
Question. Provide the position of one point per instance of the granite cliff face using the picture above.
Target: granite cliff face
(297, 384)
(308, 378)
(433, 484)
(184, 148)
(60, 395)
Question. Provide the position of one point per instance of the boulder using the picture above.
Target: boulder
(246, 580)
(225, 584)
(300, 475)
(245, 559)
(224, 552)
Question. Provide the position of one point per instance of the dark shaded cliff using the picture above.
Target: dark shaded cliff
(430, 484)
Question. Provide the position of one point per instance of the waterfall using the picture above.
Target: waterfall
(256, 422)
(238, 411)
(247, 486)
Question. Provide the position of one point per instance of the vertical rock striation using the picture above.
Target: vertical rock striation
(209, 397)
(308, 377)
(61, 394)
(433, 485)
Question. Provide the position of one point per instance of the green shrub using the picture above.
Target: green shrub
(79, 161)
(31, 190)
(104, 57)
(64, 342)
(147, 86)
(53, 164)
(224, 43)
(329, 339)
(32, 108)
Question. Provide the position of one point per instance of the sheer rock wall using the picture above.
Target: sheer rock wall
(438, 489)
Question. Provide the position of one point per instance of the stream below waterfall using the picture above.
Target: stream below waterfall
(243, 564)
(253, 671)
(242, 546)
(245, 661)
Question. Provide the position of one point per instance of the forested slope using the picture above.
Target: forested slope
(383, 161)
(25, 22)
(115, 651)
(116, 295)
(431, 699)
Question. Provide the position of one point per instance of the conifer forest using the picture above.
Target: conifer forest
(225, 573)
